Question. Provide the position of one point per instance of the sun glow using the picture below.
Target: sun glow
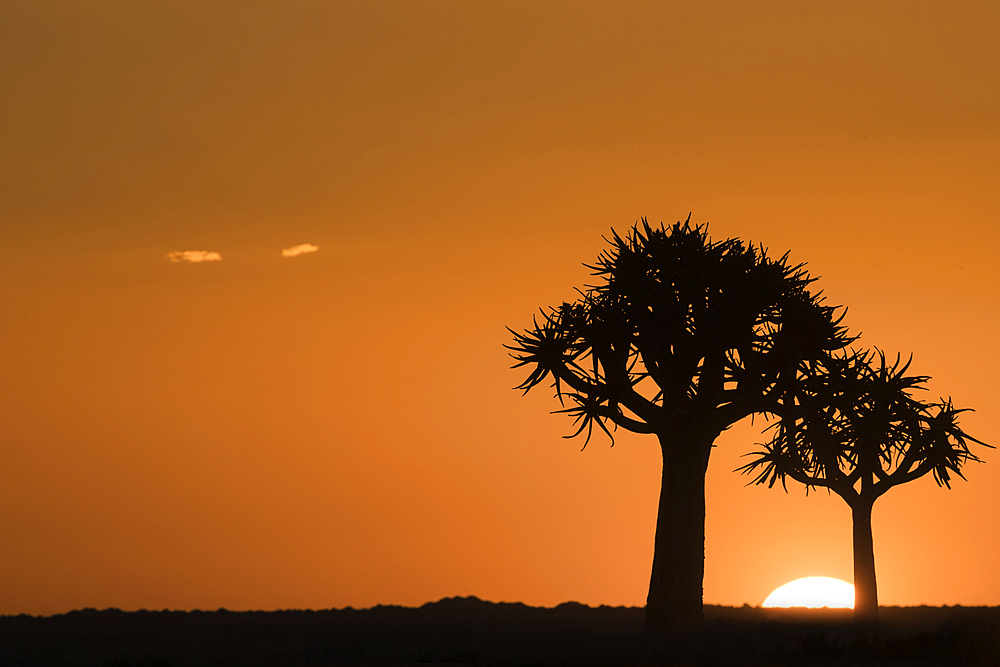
(812, 592)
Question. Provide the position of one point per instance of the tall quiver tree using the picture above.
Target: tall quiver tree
(852, 425)
(681, 338)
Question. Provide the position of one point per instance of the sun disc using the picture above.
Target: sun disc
(813, 592)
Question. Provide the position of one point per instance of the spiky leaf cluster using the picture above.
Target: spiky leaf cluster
(853, 425)
(678, 329)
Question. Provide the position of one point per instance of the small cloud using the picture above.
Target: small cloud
(194, 256)
(297, 250)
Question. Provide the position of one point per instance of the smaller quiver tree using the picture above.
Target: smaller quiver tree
(850, 424)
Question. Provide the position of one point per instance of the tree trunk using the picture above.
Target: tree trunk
(865, 590)
(675, 587)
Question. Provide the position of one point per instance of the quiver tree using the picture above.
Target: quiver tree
(681, 338)
(851, 425)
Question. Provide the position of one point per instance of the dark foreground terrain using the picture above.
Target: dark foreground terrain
(470, 630)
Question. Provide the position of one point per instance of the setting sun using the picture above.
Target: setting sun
(813, 592)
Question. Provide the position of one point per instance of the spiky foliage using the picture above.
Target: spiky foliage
(852, 425)
(678, 329)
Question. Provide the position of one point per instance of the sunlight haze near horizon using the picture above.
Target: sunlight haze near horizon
(336, 426)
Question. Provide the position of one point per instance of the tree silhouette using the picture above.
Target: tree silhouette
(854, 428)
(681, 338)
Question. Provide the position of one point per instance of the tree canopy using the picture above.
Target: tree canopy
(678, 328)
(854, 426)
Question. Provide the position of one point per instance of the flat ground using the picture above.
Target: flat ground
(470, 630)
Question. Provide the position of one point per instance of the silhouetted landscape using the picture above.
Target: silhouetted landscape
(645, 303)
(473, 630)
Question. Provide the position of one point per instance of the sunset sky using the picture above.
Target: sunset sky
(258, 261)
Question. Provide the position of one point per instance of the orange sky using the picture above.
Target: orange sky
(337, 428)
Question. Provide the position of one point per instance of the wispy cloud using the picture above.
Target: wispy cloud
(297, 250)
(194, 256)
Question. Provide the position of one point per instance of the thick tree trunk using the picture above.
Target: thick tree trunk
(865, 590)
(675, 587)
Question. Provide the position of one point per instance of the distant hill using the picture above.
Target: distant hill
(473, 630)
